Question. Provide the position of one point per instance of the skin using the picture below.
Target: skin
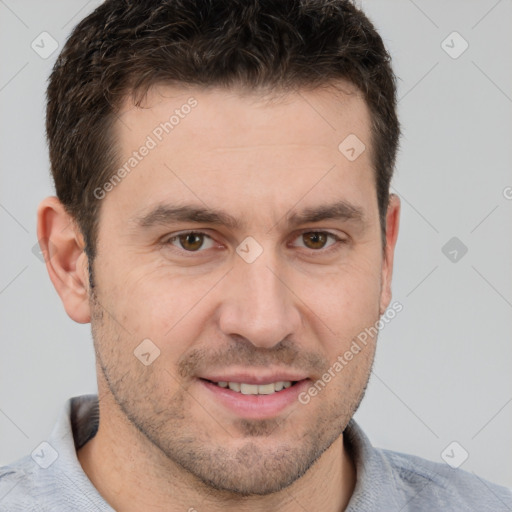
(164, 442)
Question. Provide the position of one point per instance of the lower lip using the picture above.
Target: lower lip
(255, 406)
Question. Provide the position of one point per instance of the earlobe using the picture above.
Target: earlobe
(392, 226)
(62, 246)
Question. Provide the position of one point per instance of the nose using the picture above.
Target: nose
(258, 303)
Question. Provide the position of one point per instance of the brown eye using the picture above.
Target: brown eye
(191, 241)
(315, 240)
(320, 241)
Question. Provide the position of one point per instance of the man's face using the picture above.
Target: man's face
(277, 307)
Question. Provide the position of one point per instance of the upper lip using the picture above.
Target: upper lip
(251, 377)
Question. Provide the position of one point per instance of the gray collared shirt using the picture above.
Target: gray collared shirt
(52, 480)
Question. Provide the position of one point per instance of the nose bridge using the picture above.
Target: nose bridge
(264, 287)
(259, 306)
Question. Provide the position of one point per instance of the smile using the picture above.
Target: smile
(255, 389)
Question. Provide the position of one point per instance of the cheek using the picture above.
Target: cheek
(169, 309)
(346, 299)
(173, 310)
(348, 305)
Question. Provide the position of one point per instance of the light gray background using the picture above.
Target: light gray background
(442, 371)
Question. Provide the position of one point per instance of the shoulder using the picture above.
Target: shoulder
(51, 478)
(440, 487)
(27, 486)
(389, 480)
(22, 488)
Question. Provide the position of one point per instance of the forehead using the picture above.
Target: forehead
(233, 147)
(303, 112)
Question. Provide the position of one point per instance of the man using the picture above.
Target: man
(223, 220)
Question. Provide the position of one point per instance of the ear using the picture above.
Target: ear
(392, 225)
(63, 248)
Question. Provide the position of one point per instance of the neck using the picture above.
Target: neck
(132, 475)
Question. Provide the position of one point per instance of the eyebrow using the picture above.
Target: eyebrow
(341, 210)
(165, 214)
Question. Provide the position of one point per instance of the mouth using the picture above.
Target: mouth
(253, 398)
(246, 388)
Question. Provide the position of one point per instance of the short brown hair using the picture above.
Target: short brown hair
(126, 46)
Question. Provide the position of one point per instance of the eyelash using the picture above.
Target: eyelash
(331, 248)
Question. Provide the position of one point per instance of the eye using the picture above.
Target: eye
(191, 241)
(316, 240)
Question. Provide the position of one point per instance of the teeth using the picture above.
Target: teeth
(234, 386)
(255, 389)
(266, 389)
(248, 389)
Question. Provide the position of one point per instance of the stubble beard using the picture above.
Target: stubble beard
(255, 464)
